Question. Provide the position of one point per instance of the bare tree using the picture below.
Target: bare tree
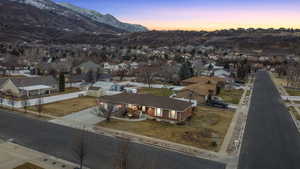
(25, 103)
(121, 159)
(169, 74)
(121, 73)
(147, 74)
(106, 111)
(1, 99)
(39, 105)
(80, 147)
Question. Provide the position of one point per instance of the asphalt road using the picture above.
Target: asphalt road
(271, 140)
(101, 153)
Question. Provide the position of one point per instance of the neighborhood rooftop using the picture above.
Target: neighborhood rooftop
(148, 100)
(30, 81)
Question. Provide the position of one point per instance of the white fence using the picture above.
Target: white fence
(291, 98)
(45, 100)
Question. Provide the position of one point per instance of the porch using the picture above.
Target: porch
(36, 90)
(134, 111)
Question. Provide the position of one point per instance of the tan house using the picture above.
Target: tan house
(28, 86)
(197, 92)
(95, 91)
(87, 66)
(161, 108)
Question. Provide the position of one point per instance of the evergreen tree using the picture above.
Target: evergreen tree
(186, 71)
(61, 82)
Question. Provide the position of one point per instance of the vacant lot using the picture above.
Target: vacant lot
(279, 80)
(66, 107)
(156, 91)
(206, 129)
(293, 92)
(232, 96)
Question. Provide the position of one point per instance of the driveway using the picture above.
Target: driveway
(84, 118)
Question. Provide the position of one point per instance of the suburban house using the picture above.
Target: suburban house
(95, 91)
(86, 67)
(9, 68)
(75, 80)
(28, 86)
(204, 80)
(198, 92)
(161, 108)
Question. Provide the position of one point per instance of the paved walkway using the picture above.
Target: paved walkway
(13, 155)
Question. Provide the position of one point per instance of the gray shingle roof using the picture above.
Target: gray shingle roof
(147, 100)
(30, 81)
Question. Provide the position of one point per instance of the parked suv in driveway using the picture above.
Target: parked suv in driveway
(217, 103)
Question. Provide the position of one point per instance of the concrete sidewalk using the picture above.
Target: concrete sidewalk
(13, 155)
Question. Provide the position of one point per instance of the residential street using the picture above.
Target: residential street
(59, 141)
(271, 140)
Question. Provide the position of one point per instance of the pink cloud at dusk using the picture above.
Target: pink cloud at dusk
(205, 19)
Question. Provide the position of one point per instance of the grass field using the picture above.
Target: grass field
(66, 107)
(206, 129)
(292, 92)
(156, 91)
(232, 96)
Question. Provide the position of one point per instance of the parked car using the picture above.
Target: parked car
(217, 103)
(240, 82)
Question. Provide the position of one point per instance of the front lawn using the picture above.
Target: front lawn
(66, 107)
(28, 166)
(294, 112)
(292, 92)
(232, 96)
(206, 129)
(156, 91)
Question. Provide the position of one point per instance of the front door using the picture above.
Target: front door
(166, 114)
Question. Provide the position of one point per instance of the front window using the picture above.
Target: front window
(173, 114)
(158, 112)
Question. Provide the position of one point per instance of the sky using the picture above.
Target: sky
(199, 14)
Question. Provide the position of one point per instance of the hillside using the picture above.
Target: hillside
(29, 23)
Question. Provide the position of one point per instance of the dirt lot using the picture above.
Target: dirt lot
(156, 91)
(66, 107)
(293, 92)
(206, 129)
(232, 96)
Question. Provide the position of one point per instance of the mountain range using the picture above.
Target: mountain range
(106, 19)
(40, 20)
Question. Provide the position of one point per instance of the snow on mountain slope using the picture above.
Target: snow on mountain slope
(70, 10)
(106, 19)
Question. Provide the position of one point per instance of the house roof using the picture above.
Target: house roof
(89, 65)
(30, 81)
(204, 79)
(198, 89)
(35, 87)
(147, 100)
(94, 88)
(76, 78)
